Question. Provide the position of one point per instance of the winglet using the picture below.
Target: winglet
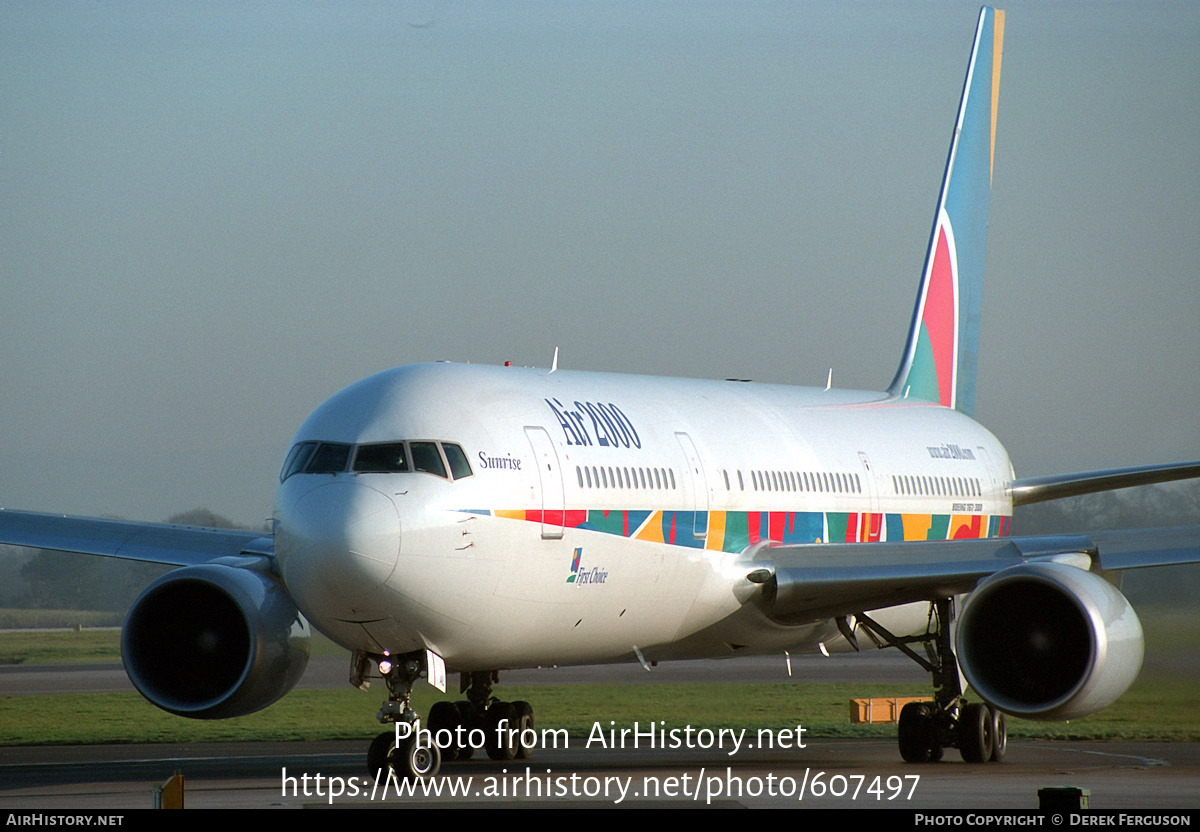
(942, 351)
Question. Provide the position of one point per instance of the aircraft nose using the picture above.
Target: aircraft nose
(337, 544)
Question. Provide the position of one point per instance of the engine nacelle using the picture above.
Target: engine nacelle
(214, 641)
(1048, 641)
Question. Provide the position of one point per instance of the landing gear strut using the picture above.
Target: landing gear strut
(406, 750)
(506, 728)
(926, 728)
(453, 730)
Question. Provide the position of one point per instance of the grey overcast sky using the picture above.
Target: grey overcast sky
(215, 215)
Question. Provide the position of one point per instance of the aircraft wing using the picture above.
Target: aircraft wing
(151, 542)
(814, 582)
(1038, 489)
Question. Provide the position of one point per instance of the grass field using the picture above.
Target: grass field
(12, 619)
(1165, 630)
(325, 714)
(1158, 707)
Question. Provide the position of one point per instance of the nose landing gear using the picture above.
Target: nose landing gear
(407, 750)
(453, 731)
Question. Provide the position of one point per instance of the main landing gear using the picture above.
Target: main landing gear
(927, 728)
(453, 731)
(505, 730)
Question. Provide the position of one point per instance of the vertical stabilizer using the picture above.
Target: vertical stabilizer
(943, 343)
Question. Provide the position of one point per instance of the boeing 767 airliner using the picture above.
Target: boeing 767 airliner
(570, 517)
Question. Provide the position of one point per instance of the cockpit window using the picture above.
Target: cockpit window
(386, 458)
(459, 466)
(425, 457)
(377, 458)
(297, 458)
(330, 458)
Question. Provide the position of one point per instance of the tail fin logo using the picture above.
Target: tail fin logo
(932, 377)
(942, 351)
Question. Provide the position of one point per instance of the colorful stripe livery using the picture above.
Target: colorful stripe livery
(733, 531)
(942, 351)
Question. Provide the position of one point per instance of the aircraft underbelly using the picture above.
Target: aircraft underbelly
(583, 598)
(586, 598)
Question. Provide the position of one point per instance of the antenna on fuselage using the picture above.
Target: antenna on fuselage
(554, 362)
(829, 379)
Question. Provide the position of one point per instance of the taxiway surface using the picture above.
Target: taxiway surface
(830, 773)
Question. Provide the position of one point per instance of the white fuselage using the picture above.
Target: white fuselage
(606, 515)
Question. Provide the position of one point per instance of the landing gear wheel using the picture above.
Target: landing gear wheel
(500, 731)
(445, 717)
(414, 760)
(975, 739)
(524, 718)
(999, 736)
(977, 731)
(471, 721)
(916, 733)
(378, 751)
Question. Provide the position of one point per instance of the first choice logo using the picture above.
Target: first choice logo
(578, 576)
(610, 426)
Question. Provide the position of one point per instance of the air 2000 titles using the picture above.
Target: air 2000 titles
(610, 426)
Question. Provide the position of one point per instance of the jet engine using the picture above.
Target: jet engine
(1048, 641)
(214, 641)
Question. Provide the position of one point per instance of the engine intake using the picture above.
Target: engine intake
(214, 641)
(1048, 641)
